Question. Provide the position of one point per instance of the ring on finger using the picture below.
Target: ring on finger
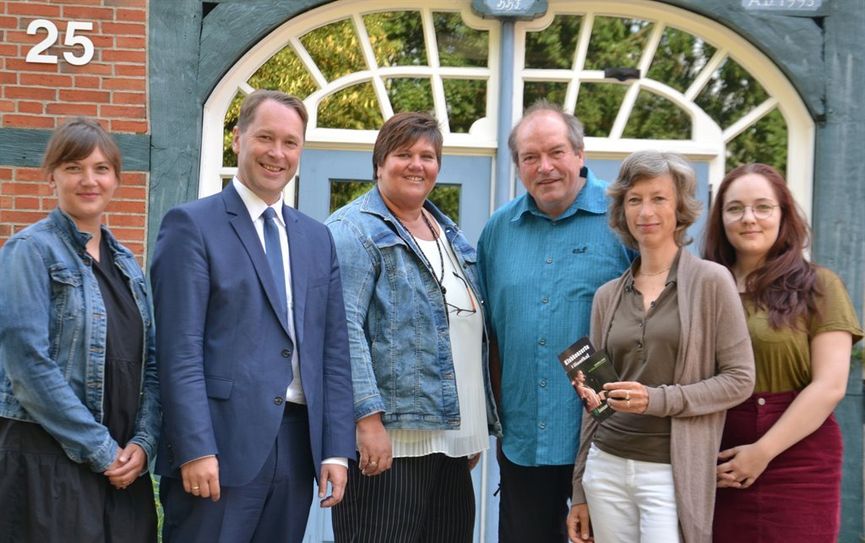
(629, 402)
(628, 395)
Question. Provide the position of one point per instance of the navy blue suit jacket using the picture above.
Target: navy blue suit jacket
(224, 351)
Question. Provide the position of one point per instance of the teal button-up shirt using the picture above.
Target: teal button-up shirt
(539, 276)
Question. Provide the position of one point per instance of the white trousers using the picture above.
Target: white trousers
(630, 500)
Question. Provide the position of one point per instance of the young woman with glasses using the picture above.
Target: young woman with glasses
(779, 471)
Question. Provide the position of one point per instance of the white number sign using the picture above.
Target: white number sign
(36, 54)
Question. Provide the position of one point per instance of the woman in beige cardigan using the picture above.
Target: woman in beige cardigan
(675, 331)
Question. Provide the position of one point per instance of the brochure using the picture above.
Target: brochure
(592, 369)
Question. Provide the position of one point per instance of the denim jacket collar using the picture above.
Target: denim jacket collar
(67, 228)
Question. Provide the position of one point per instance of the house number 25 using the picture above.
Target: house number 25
(37, 55)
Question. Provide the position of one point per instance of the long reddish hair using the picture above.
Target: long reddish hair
(785, 285)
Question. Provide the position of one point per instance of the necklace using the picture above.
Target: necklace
(644, 274)
(438, 280)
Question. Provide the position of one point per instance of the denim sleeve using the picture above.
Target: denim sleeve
(149, 418)
(358, 270)
(38, 383)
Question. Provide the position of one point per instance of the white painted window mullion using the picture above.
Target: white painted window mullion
(706, 74)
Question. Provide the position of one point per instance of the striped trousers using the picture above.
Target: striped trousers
(428, 499)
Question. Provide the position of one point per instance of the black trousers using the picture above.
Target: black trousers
(534, 502)
(429, 499)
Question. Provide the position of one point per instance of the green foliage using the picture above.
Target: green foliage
(764, 141)
(552, 91)
(354, 107)
(284, 71)
(679, 59)
(335, 49)
(466, 102)
(396, 38)
(730, 93)
(409, 94)
(616, 43)
(555, 46)
(229, 159)
(656, 117)
(458, 44)
(597, 107)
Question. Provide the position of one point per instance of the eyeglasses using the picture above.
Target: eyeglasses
(458, 311)
(762, 211)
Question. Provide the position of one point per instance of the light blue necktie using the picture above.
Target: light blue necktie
(274, 255)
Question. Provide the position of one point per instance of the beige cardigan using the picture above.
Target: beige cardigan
(714, 371)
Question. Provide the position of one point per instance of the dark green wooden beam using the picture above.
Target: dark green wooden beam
(175, 107)
(24, 147)
(838, 220)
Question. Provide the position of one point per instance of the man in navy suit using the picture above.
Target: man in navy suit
(252, 348)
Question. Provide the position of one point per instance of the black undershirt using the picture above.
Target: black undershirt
(124, 347)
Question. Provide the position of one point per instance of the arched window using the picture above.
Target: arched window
(639, 74)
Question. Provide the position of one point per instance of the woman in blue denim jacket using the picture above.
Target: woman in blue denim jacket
(422, 394)
(79, 407)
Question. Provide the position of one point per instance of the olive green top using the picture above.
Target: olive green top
(783, 356)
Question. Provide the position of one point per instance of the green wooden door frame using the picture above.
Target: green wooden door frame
(192, 44)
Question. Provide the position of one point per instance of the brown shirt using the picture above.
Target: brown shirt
(643, 347)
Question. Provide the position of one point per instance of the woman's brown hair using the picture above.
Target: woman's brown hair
(76, 140)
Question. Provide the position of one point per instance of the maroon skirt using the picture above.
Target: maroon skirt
(798, 497)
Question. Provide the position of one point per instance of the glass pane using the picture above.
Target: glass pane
(445, 197)
(616, 43)
(655, 117)
(410, 94)
(554, 46)
(679, 58)
(597, 107)
(228, 156)
(335, 49)
(730, 93)
(343, 191)
(547, 90)
(466, 102)
(396, 38)
(765, 141)
(354, 107)
(284, 71)
(458, 44)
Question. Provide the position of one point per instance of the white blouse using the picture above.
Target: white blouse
(466, 331)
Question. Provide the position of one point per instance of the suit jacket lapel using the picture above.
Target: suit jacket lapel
(299, 275)
(243, 227)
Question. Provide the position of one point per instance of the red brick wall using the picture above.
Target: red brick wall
(112, 88)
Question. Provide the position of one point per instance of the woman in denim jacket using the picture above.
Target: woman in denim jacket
(79, 409)
(422, 395)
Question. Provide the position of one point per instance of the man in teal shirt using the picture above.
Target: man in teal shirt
(541, 257)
